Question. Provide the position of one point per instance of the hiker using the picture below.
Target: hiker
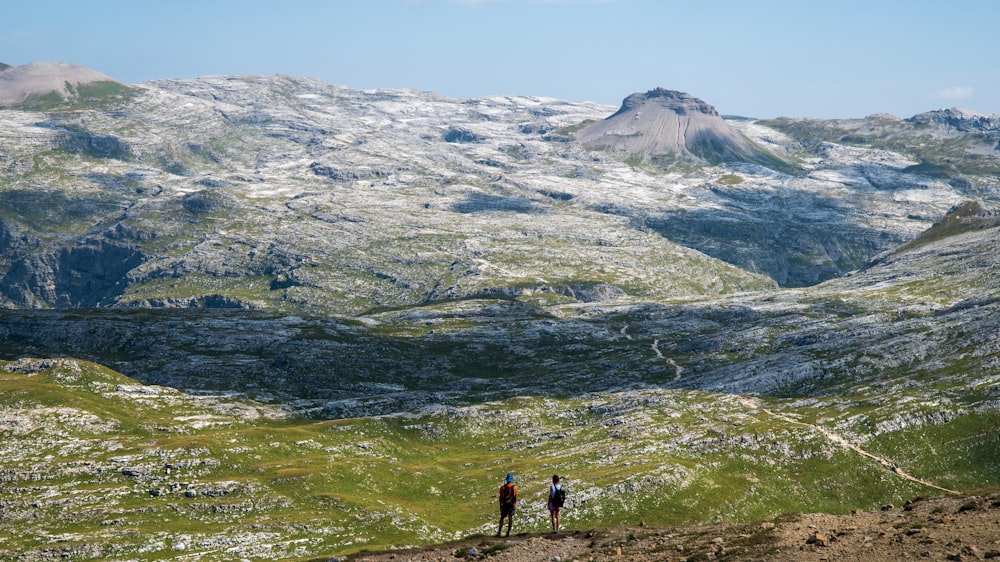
(508, 501)
(557, 497)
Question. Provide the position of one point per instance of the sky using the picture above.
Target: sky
(794, 58)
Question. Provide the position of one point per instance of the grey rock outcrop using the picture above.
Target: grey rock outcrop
(960, 119)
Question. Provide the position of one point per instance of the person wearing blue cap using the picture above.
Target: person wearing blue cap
(508, 501)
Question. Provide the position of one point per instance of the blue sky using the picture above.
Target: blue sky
(802, 58)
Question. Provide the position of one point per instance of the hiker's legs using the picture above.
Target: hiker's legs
(555, 519)
(510, 521)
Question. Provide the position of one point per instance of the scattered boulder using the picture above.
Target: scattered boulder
(819, 539)
(459, 135)
(339, 174)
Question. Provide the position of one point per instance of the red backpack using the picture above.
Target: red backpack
(508, 495)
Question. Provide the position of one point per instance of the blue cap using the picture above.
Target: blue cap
(510, 476)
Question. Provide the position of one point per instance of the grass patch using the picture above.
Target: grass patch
(567, 134)
(730, 179)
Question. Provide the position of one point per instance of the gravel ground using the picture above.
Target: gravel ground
(942, 528)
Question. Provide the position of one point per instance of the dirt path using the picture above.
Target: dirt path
(841, 441)
(940, 528)
(678, 370)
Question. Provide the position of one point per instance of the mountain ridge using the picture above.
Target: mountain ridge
(234, 121)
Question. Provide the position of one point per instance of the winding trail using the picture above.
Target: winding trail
(752, 403)
(624, 328)
(678, 370)
(840, 440)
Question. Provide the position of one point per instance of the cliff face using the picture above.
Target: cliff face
(86, 275)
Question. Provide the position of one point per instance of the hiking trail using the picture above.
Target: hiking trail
(840, 440)
(678, 370)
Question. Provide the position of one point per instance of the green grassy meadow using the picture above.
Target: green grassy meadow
(99, 466)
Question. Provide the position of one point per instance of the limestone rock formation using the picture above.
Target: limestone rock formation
(960, 119)
(667, 124)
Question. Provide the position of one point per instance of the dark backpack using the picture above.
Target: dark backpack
(508, 495)
(559, 497)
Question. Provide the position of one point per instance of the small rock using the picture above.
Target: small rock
(818, 539)
(472, 552)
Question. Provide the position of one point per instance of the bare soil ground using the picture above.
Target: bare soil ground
(941, 528)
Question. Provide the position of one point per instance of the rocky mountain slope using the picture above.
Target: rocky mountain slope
(397, 198)
(896, 322)
(667, 125)
(50, 85)
(335, 287)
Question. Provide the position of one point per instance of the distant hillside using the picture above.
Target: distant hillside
(969, 216)
(49, 85)
(961, 120)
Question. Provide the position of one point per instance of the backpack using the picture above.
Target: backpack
(508, 495)
(559, 497)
